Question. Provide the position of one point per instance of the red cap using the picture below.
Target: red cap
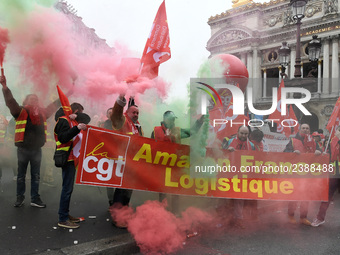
(316, 134)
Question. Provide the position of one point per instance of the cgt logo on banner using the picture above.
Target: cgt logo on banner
(112, 159)
(108, 166)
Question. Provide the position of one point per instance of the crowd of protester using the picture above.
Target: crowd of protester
(29, 130)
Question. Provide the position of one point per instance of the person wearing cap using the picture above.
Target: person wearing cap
(168, 132)
(126, 123)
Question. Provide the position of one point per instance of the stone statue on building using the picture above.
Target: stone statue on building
(330, 6)
(287, 17)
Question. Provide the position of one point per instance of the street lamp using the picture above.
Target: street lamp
(298, 9)
(284, 52)
(314, 49)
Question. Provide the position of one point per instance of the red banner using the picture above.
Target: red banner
(112, 159)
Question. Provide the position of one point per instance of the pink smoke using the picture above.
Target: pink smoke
(4, 40)
(53, 54)
(158, 231)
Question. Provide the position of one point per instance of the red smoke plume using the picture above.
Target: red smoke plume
(52, 53)
(158, 231)
(4, 40)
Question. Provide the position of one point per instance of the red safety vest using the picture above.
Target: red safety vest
(129, 127)
(258, 145)
(3, 133)
(298, 145)
(64, 146)
(20, 126)
(247, 145)
(175, 137)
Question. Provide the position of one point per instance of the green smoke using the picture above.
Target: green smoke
(12, 10)
(211, 68)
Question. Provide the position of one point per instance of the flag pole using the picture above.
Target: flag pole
(329, 138)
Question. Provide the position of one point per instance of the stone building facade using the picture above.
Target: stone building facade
(254, 32)
(81, 30)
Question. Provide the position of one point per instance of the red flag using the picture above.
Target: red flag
(334, 120)
(277, 117)
(233, 121)
(64, 102)
(4, 40)
(157, 47)
(68, 111)
(292, 116)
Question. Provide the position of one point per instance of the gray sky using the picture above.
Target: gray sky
(127, 24)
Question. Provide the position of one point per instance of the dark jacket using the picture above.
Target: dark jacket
(107, 124)
(62, 128)
(81, 117)
(34, 136)
(290, 147)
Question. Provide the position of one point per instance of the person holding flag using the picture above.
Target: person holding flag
(70, 121)
(30, 136)
(126, 123)
(333, 122)
(317, 139)
(303, 142)
(333, 182)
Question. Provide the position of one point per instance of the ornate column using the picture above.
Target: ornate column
(292, 61)
(256, 76)
(250, 63)
(335, 64)
(325, 88)
(319, 76)
(264, 82)
(243, 58)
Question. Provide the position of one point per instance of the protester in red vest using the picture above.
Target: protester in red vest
(302, 143)
(318, 140)
(333, 182)
(126, 123)
(240, 142)
(65, 132)
(168, 132)
(30, 136)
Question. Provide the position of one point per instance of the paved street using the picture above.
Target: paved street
(273, 235)
(28, 230)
